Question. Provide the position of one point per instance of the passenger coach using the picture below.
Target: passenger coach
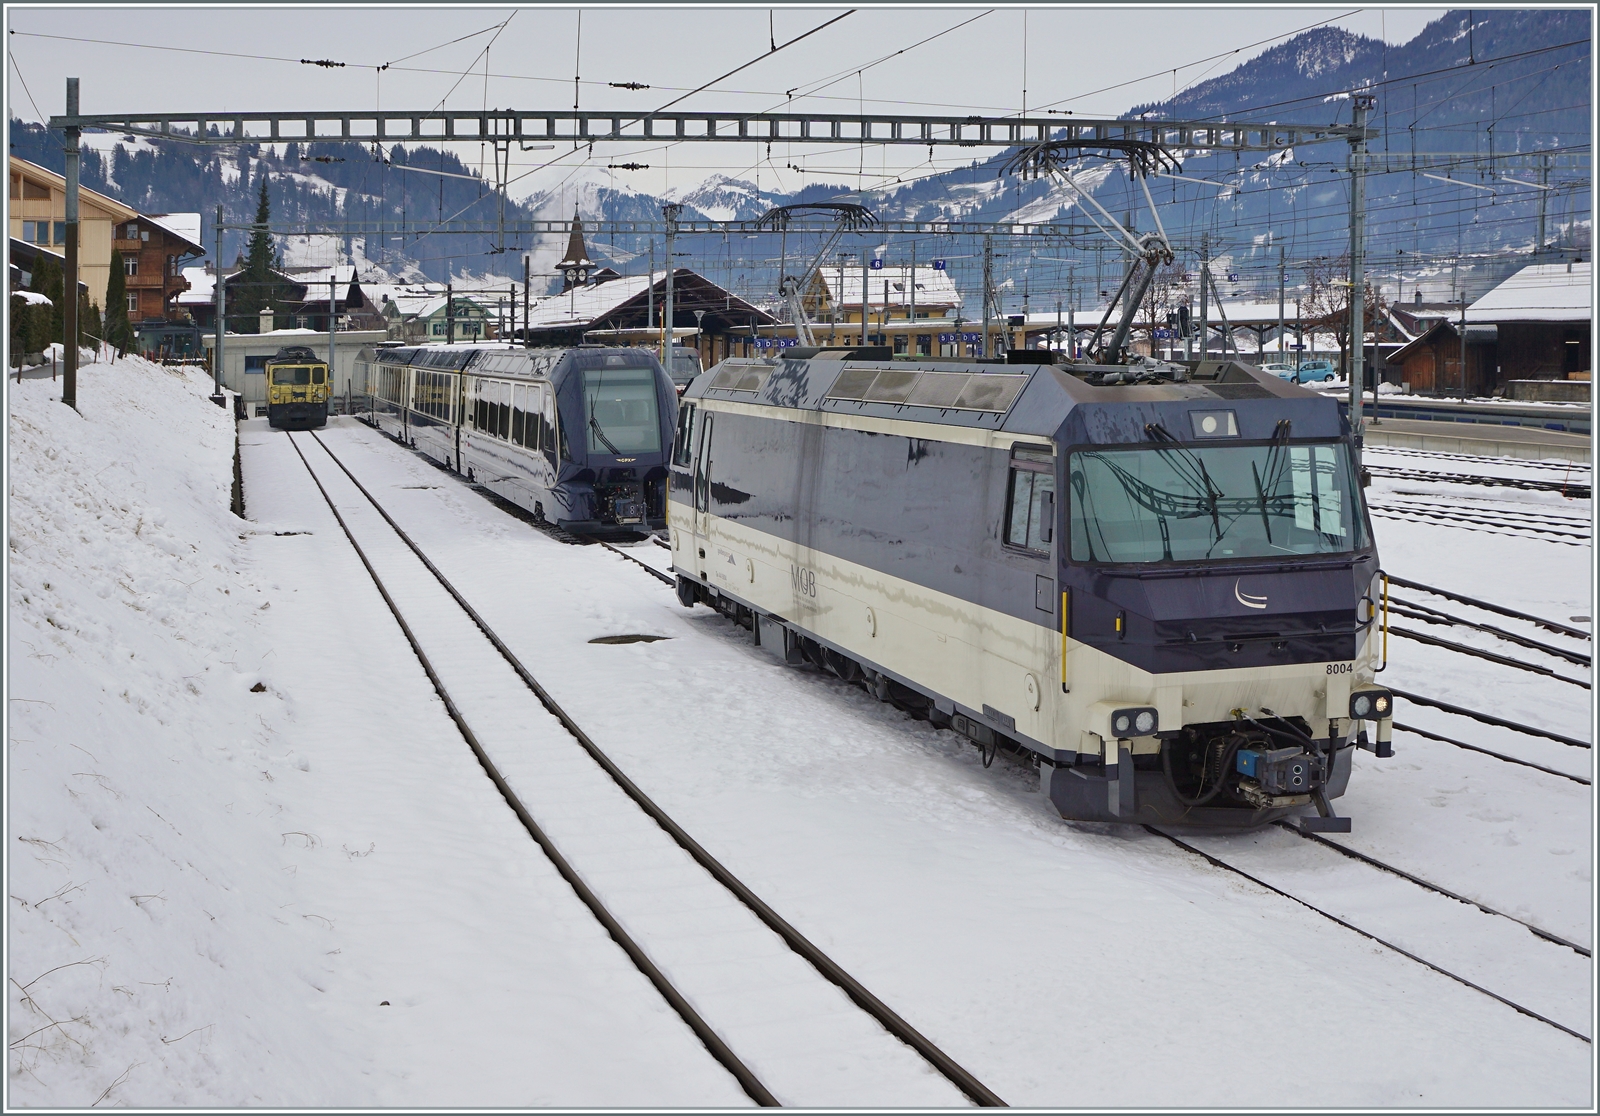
(1160, 583)
(579, 437)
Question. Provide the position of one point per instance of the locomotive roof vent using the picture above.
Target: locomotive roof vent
(990, 392)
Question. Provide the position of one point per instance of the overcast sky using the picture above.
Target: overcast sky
(1054, 57)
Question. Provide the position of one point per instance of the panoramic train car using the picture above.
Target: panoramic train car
(579, 437)
(1160, 582)
(297, 389)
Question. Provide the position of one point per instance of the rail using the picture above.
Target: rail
(796, 941)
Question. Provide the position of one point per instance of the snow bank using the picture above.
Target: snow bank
(146, 931)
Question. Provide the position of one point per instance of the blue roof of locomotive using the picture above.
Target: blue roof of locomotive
(1052, 402)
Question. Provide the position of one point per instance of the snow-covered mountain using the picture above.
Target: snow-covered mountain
(1436, 93)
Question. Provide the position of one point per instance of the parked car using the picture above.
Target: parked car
(1310, 371)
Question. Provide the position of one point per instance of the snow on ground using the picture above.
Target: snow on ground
(215, 888)
(953, 892)
(250, 874)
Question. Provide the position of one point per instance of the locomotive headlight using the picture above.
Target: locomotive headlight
(1371, 705)
(1214, 424)
(1126, 723)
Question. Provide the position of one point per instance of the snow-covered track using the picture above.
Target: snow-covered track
(1490, 719)
(1487, 656)
(1409, 917)
(1572, 489)
(1527, 526)
(1487, 606)
(1537, 931)
(655, 845)
(1412, 610)
(1574, 468)
(1427, 735)
(1407, 516)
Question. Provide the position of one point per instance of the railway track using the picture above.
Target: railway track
(1545, 978)
(1379, 512)
(1506, 522)
(543, 763)
(1571, 489)
(1532, 514)
(1482, 965)
(1509, 462)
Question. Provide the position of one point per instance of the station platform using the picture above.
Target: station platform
(1484, 440)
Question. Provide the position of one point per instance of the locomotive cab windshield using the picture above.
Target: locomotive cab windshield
(620, 411)
(1210, 502)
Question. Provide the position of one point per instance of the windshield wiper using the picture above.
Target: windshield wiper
(594, 425)
(1261, 498)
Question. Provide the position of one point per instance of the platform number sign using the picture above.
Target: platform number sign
(877, 265)
(938, 265)
(1233, 276)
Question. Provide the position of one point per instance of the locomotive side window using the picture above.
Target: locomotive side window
(683, 447)
(702, 472)
(1031, 499)
(318, 375)
(550, 425)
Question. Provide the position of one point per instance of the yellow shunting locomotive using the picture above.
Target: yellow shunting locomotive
(297, 389)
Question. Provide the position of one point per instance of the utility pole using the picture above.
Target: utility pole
(1280, 302)
(866, 297)
(1299, 336)
(333, 323)
(1463, 345)
(221, 296)
(911, 286)
(988, 283)
(670, 212)
(650, 291)
(450, 313)
(69, 289)
(883, 326)
(1544, 194)
(1205, 274)
(525, 301)
(1360, 105)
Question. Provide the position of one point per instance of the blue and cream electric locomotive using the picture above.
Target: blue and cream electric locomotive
(1158, 582)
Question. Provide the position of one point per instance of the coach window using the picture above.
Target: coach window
(519, 414)
(683, 448)
(1031, 500)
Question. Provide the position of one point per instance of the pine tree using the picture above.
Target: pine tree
(47, 281)
(119, 331)
(258, 284)
(21, 328)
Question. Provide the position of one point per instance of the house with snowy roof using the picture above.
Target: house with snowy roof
(910, 306)
(1527, 338)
